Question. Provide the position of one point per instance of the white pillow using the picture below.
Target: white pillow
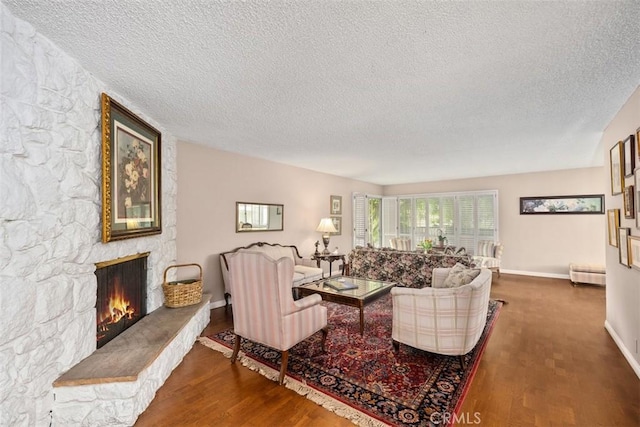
(460, 275)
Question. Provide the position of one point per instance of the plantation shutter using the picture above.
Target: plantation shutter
(464, 218)
(359, 219)
(487, 217)
(466, 233)
(389, 220)
(447, 219)
(405, 217)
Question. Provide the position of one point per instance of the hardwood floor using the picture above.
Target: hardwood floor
(548, 362)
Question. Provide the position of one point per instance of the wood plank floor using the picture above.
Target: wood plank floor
(549, 362)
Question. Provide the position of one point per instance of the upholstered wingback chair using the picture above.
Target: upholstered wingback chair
(264, 310)
(488, 255)
(440, 320)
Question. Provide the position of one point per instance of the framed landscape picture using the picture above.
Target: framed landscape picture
(629, 155)
(615, 162)
(613, 222)
(585, 204)
(623, 246)
(130, 174)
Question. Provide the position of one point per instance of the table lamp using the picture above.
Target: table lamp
(325, 227)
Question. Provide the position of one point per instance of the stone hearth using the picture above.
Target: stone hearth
(115, 384)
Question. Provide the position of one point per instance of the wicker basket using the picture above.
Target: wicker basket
(181, 293)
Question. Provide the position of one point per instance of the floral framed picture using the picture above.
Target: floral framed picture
(130, 174)
(616, 163)
(337, 223)
(550, 205)
(629, 156)
(613, 222)
(335, 203)
(634, 251)
(623, 246)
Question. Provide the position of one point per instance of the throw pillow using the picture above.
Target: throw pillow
(460, 275)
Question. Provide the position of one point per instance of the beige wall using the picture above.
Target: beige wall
(623, 284)
(211, 181)
(536, 244)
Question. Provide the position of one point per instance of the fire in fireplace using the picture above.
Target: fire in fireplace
(122, 295)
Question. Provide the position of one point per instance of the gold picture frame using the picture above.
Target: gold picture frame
(130, 174)
(613, 222)
(616, 162)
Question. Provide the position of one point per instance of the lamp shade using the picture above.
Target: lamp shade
(326, 226)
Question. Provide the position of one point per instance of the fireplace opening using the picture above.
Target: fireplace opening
(122, 295)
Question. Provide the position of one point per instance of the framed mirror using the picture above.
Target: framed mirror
(259, 217)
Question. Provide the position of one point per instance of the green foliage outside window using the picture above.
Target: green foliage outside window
(375, 231)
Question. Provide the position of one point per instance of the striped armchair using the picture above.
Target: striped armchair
(440, 320)
(264, 310)
(489, 255)
(401, 244)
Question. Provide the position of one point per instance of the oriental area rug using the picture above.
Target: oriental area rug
(362, 378)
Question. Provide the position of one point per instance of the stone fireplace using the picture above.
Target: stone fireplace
(50, 244)
(121, 298)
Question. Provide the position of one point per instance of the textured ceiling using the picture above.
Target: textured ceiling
(385, 92)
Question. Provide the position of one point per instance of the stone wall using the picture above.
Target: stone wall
(50, 218)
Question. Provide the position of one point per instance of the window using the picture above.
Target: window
(367, 220)
(463, 218)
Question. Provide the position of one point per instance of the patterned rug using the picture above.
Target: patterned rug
(362, 378)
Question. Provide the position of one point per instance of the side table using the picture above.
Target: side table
(330, 258)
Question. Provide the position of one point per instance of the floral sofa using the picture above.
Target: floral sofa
(411, 269)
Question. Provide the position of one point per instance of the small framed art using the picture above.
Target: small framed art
(634, 251)
(613, 222)
(335, 203)
(337, 223)
(629, 206)
(615, 161)
(130, 174)
(623, 245)
(629, 156)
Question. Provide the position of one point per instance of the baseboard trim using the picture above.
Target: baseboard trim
(216, 304)
(625, 352)
(535, 274)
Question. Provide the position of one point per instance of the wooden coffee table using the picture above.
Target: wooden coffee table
(367, 291)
